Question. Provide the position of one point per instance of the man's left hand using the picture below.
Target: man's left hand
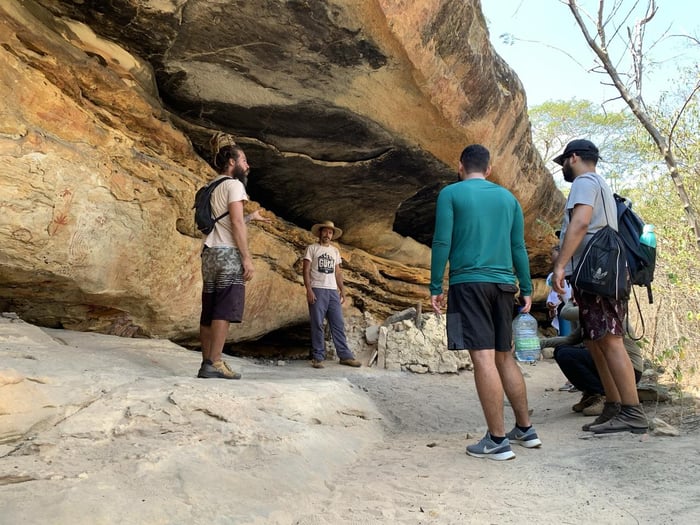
(527, 299)
(438, 303)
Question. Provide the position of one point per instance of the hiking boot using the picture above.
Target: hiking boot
(217, 370)
(201, 368)
(487, 448)
(595, 409)
(610, 410)
(630, 419)
(587, 399)
(317, 364)
(351, 362)
(527, 439)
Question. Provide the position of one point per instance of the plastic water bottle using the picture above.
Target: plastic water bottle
(527, 344)
(648, 236)
(564, 326)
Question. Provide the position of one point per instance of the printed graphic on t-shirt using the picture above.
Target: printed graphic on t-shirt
(326, 264)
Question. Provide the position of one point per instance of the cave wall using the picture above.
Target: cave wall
(347, 110)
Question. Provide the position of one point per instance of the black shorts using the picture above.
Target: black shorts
(223, 291)
(480, 316)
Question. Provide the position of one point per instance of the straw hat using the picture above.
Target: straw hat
(337, 232)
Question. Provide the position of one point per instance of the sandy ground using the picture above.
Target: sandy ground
(306, 446)
(419, 473)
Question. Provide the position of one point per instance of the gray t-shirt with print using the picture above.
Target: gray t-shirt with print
(591, 189)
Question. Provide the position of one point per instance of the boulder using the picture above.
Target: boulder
(404, 346)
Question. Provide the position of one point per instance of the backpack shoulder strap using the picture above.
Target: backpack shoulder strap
(214, 185)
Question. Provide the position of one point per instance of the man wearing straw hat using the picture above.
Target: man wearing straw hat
(325, 294)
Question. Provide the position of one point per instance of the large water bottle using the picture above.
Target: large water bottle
(648, 236)
(527, 344)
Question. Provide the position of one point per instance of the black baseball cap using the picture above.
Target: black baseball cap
(577, 146)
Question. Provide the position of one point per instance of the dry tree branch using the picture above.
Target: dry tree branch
(683, 108)
(663, 144)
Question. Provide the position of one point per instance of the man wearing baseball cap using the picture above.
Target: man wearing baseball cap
(579, 146)
(590, 207)
(325, 294)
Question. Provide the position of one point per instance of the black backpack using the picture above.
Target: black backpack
(603, 269)
(641, 258)
(602, 259)
(202, 207)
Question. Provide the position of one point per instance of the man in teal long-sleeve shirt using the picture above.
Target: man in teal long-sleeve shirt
(479, 230)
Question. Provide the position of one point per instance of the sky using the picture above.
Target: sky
(551, 57)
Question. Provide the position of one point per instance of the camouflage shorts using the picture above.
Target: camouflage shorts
(599, 315)
(223, 287)
(221, 267)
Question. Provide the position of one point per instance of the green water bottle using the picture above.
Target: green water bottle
(648, 236)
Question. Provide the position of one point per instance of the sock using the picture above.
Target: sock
(207, 362)
(523, 429)
(497, 440)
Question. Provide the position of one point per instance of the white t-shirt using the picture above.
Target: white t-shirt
(553, 296)
(323, 259)
(556, 299)
(228, 191)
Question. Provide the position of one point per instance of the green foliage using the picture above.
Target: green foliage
(673, 319)
(555, 123)
(674, 356)
(666, 114)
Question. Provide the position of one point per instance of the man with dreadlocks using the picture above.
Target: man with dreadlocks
(226, 260)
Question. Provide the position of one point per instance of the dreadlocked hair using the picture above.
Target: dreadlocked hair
(223, 147)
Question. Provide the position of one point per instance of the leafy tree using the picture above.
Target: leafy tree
(555, 123)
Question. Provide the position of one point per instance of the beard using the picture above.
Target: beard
(567, 172)
(241, 174)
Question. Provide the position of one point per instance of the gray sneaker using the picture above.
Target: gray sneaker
(630, 419)
(487, 448)
(610, 410)
(528, 439)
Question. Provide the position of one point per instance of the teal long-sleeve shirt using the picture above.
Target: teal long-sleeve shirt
(479, 229)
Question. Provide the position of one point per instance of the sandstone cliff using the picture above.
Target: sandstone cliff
(348, 110)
